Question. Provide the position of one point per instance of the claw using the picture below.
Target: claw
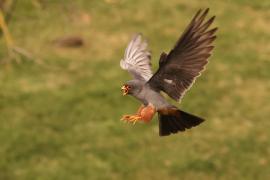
(125, 117)
(131, 118)
(135, 119)
(144, 114)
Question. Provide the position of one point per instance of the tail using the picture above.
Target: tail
(176, 121)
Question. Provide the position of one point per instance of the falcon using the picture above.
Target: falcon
(177, 71)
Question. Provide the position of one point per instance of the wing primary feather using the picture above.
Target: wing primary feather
(206, 25)
(137, 58)
(187, 59)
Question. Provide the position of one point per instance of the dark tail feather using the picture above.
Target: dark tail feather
(179, 121)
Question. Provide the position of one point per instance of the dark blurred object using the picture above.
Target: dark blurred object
(69, 41)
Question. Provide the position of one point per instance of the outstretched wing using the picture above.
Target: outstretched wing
(137, 59)
(178, 70)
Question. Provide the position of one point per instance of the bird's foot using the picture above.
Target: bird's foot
(131, 118)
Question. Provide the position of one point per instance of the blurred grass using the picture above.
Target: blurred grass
(61, 120)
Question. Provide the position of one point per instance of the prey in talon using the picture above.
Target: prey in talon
(177, 71)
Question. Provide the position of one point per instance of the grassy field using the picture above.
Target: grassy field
(59, 118)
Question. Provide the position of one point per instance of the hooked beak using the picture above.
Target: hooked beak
(124, 90)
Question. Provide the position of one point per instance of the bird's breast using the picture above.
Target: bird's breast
(149, 96)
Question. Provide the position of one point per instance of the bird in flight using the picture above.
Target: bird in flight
(177, 71)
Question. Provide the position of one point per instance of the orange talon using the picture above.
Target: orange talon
(131, 118)
(125, 117)
(144, 113)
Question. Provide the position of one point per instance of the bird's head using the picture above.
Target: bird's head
(131, 87)
(125, 89)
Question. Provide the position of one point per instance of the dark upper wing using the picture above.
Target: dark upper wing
(178, 70)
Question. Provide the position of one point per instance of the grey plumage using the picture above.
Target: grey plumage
(145, 94)
(177, 70)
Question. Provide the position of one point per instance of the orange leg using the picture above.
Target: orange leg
(140, 109)
(145, 114)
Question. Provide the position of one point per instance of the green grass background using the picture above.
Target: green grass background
(60, 119)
